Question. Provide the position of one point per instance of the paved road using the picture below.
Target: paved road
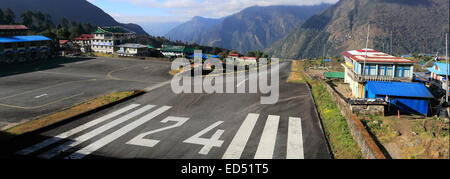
(164, 125)
(31, 90)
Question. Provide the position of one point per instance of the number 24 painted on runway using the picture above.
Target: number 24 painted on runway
(208, 144)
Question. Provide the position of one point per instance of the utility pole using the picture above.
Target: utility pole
(324, 45)
(367, 46)
(391, 44)
(446, 60)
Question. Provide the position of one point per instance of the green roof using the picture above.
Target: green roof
(149, 46)
(177, 49)
(334, 75)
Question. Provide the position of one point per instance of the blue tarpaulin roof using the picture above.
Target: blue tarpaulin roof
(29, 38)
(196, 55)
(442, 69)
(400, 89)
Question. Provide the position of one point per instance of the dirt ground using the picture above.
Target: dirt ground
(409, 138)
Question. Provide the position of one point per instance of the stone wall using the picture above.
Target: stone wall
(377, 110)
(368, 147)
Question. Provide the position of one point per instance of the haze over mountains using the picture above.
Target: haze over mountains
(417, 26)
(72, 10)
(254, 28)
(191, 30)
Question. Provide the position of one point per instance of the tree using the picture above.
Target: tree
(9, 16)
(64, 23)
(27, 18)
(250, 54)
(2, 17)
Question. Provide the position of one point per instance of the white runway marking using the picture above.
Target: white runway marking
(72, 143)
(266, 145)
(71, 132)
(40, 96)
(115, 135)
(241, 83)
(295, 139)
(239, 141)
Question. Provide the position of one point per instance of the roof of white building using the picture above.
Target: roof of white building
(130, 45)
(373, 56)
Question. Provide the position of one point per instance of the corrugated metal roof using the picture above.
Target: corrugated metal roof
(441, 68)
(13, 27)
(400, 89)
(130, 45)
(29, 38)
(374, 56)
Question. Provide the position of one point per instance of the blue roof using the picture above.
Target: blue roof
(406, 56)
(442, 68)
(23, 38)
(399, 89)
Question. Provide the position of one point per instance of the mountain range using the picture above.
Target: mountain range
(254, 28)
(411, 26)
(192, 29)
(72, 10)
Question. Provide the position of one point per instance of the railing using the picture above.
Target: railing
(363, 78)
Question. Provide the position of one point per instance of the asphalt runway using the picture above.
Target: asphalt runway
(39, 88)
(164, 125)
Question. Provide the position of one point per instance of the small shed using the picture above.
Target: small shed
(411, 98)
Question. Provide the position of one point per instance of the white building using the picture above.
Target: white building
(106, 39)
(132, 50)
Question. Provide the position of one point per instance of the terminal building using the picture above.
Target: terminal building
(377, 66)
(107, 39)
(16, 46)
(376, 75)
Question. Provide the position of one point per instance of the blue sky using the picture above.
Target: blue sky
(164, 12)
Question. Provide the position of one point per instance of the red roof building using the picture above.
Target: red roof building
(13, 30)
(365, 65)
(84, 37)
(13, 27)
(373, 56)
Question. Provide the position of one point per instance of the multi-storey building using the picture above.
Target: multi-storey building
(361, 67)
(15, 46)
(83, 42)
(106, 39)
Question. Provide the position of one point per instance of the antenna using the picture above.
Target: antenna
(365, 58)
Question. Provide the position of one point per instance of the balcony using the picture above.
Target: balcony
(364, 78)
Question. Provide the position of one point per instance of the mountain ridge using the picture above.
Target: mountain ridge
(343, 26)
(73, 10)
(256, 27)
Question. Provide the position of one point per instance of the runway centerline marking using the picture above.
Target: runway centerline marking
(116, 134)
(239, 141)
(72, 143)
(74, 131)
(266, 145)
(40, 96)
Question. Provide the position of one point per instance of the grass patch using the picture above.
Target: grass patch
(335, 125)
(174, 72)
(296, 75)
(67, 113)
